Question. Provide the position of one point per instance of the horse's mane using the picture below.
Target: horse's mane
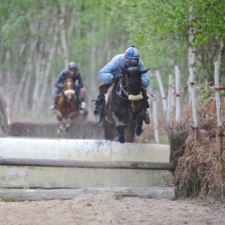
(129, 63)
(68, 79)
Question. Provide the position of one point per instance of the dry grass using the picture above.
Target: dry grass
(198, 171)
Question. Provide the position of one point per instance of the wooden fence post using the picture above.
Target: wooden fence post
(155, 118)
(177, 75)
(193, 103)
(219, 121)
(218, 110)
(161, 89)
(173, 97)
(169, 98)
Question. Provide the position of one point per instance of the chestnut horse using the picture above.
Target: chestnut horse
(67, 108)
(124, 112)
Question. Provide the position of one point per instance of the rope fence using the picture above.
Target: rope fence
(166, 99)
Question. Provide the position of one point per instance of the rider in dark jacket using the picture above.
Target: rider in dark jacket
(73, 73)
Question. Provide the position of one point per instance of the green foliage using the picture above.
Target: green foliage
(159, 29)
(166, 17)
(163, 139)
(26, 188)
(207, 93)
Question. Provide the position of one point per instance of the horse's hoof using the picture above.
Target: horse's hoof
(59, 131)
(67, 129)
(138, 129)
(121, 138)
(147, 117)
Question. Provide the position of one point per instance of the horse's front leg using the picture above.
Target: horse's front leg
(120, 128)
(139, 123)
(71, 117)
(59, 117)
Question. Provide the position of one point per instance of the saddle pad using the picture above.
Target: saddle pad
(107, 94)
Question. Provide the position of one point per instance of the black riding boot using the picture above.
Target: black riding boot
(54, 105)
(78, 102)
(99, 105)
(98, 114)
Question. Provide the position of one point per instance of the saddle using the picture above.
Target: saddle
(105, 90)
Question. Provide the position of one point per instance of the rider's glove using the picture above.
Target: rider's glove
(116, 77)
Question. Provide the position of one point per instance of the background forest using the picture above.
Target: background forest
(39, 37)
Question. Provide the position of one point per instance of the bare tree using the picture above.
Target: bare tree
(63, 34)
(191, 49)
(52, 50)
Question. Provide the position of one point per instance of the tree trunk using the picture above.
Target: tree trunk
(191, 49)
(220, 57)
(2, 53)
(52, 50)
(8, 73)
(40, 67)
(37, 82)
(63, 35)
(93, 89)
(220, 51)
(9, 84)
(17, 101)
(71, 27)
(27, 88)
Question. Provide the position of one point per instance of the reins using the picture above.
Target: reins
(119, 85)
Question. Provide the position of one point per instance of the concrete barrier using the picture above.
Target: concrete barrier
(61, 177)
(67, 194)
(82, 164)
(88, 150)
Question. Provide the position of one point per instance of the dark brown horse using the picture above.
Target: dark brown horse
(124, 112)
(67, 108)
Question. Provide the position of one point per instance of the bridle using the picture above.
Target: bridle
(120, 88)
(68, 92)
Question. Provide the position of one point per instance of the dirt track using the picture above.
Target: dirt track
(104, 209)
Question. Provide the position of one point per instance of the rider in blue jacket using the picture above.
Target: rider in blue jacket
(73, 73)
(112, 71)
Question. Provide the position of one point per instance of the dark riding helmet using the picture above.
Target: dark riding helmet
(73, 66)
(132, 53)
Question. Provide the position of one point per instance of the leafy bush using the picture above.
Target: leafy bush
(207, 93)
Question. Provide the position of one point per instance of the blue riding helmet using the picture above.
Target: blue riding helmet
(132, 53)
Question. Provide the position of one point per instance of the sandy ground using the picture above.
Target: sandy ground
(105, 209)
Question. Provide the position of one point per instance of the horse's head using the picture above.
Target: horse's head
(68, 90)
(131, 78)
